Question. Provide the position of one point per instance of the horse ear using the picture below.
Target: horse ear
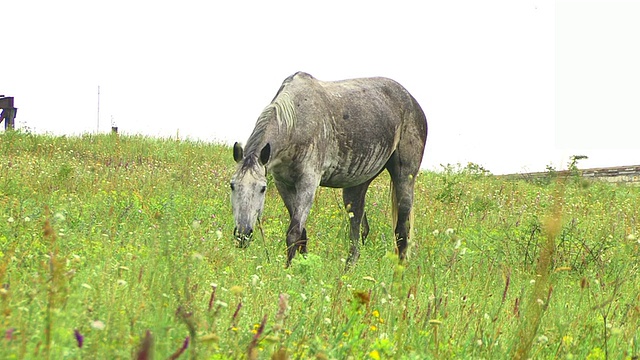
(265, 154)
(237, 152)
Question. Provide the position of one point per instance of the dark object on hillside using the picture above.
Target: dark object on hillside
(8, 112)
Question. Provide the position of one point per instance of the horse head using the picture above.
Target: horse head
(248, 189)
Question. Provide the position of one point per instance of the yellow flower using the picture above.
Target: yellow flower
(374, 355)
(373, 328)
(236, 290)
(375, 313)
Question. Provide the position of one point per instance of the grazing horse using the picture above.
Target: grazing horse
(339, 134)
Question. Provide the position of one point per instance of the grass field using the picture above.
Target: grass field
(121, 247)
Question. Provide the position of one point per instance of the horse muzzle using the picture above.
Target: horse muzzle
(243, 238)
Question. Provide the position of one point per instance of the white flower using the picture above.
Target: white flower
(10, 219)
(254, 279)
(27, 219)
(303, 296)
(98, 325)
(540, 302)
(327, 321)
(435, 232)
(218, 234)
(121, 282)
(449, 231)
(59, 216)
(543, 339)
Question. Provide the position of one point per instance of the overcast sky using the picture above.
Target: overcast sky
(512, 85)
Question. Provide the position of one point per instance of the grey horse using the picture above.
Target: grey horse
(339, 134)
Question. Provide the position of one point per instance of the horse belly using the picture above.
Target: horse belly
(355, 168)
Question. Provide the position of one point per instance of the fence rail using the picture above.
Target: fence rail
(617, 174)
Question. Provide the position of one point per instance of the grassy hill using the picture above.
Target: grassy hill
(115, 246)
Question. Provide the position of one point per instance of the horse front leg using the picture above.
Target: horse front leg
(298, 201)
(353, 198)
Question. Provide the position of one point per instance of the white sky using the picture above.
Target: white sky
(513, 85)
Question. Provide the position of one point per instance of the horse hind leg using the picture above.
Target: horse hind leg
(403, 181)
(353, 198)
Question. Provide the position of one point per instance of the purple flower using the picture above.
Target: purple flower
(8, 335)
(79, 337)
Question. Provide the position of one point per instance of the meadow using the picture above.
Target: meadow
(121, 247)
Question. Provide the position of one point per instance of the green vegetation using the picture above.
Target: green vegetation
(121, 247)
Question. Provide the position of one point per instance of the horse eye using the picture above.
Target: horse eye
(263, 189)
(232, 187)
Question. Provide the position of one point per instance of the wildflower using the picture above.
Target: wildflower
(374, 355)
(122, 282)
(236, 290)
(27, 219)
(567, 340)
(479, 342)
(375, 313)
(631, 236)
(436, 232)
(218, 234)
(79, 337)
(254, 279)
(540, 302)
(10, 219)
(59, 216)
(449, 231)
(373, 328)
(303, 296)
(543, 339)
(98, 325)
(8, 334)
(327, 321)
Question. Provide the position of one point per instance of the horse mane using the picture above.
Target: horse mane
(282, 111)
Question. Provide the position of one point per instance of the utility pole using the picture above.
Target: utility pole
(98, 124)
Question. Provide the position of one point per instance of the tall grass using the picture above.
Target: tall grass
(120, 247)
